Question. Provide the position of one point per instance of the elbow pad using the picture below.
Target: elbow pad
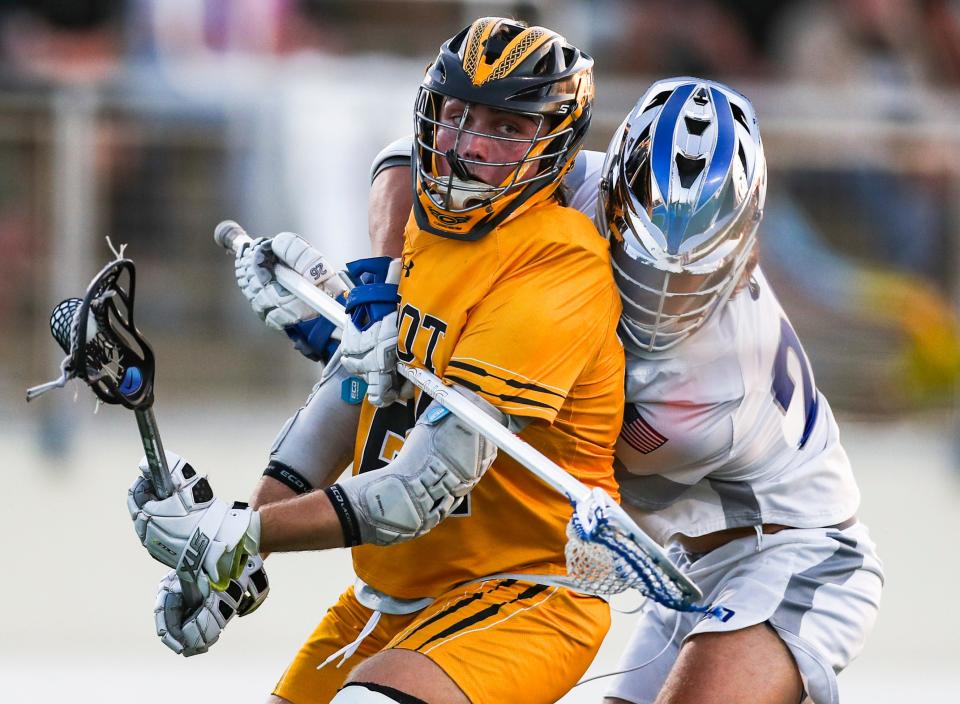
(441, 460)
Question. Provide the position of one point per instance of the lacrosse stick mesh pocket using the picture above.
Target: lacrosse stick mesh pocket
(605, 560)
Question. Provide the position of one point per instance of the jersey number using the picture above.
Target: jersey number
(785, 383)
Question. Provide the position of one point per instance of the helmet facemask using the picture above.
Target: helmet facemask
(452, 176)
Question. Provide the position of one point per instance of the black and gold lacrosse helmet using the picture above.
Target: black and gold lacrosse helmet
(504, 65)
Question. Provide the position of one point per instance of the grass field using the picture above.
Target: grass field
(77, 591)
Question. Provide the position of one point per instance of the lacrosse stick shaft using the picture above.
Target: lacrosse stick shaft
(538, 464)
(231, 236)
(153, 449)
(163, 487)
(500, 436)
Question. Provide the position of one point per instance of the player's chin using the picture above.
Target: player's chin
(490, 176)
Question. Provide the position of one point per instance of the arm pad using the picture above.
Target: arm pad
(441, 460)
(317, 442)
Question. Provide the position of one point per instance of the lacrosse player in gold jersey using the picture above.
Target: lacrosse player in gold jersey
(507, 296)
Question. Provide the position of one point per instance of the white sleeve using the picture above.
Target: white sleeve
(397, 153)
(316, 444)
(582, 183)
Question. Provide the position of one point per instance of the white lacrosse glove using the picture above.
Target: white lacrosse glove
(193, 632)
(372, 355)
(248, 279)
(369, 350)
(276, 306)
(313, 336)
(192, 531)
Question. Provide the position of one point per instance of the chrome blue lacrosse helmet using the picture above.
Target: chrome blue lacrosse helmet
(682, 193)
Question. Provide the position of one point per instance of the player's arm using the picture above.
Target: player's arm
(194, 532)
(389, 206)
(440, 462)
(314, 446)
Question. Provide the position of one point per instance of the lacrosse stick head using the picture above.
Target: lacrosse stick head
(104, 348)
(606, 554)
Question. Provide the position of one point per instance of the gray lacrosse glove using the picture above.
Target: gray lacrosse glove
(190, 633)
(191, 530)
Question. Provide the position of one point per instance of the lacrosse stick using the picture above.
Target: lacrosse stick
(106, 351)
(607, 552)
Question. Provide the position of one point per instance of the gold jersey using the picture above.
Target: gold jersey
(526, 317)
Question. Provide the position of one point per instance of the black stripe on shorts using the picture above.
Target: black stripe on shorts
(466, 601)
(484, 614)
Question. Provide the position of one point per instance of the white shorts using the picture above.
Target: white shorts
(819, 588)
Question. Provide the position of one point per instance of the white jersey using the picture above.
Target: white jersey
(728, 429)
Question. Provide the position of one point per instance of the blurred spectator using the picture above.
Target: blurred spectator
(865, 41)
(63, 40)
(941, 25)
(197, 30)
(664, 38)
(879, 51)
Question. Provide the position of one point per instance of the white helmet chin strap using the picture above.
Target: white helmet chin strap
(465, 193)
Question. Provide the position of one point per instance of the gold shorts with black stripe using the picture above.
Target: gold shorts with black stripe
(500, 640)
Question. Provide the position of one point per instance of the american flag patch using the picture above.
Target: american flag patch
(638, 433)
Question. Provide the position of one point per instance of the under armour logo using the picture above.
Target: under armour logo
(406, 269)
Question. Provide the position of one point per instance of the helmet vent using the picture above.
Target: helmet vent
(658, 100)
(695, 126)
(688, 169)
(700, 97)
(495, 44)
(544, 65)
(739, 116)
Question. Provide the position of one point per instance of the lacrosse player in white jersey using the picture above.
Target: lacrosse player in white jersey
(728, 453)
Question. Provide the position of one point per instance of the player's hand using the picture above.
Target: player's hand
(369, 344)
(312, 335)
(191, 632)
(191, 530)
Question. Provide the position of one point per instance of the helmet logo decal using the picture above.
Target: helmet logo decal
(448, 219)
(471, 56)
